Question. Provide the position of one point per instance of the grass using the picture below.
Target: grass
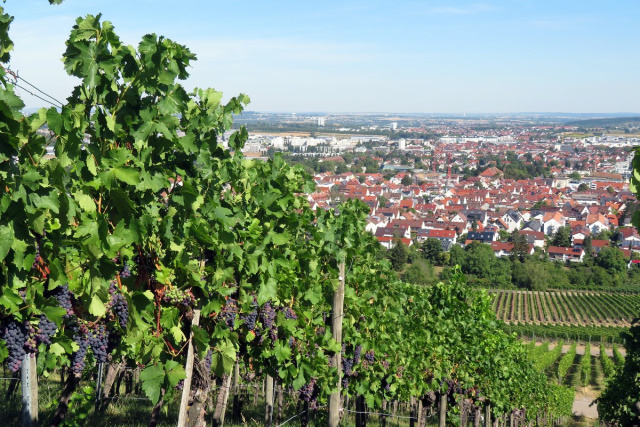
(134, 410)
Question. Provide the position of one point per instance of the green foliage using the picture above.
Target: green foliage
(420, 272)
(618, 358)
(565, 363)
(431, 249)
(613, 260)
(618, 403)
(608, 367)
(544, 358)
(457, 255)
(398, 255)
(531, 276)
(481, 262)
(578, 333)
(81, 404)
(562, 237)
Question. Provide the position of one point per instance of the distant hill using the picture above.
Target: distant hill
(608, 122)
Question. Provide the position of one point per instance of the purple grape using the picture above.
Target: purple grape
(64, 298)
(309, 393)
(356, 354)
(267, 315)
(369, 356)
(289, 313)
(14, 335)
(126, 271)
(46, 330)
(98, 338)
(251, 318)
(230, 312)
(208, 359)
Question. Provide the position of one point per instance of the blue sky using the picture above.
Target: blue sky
(370, 56)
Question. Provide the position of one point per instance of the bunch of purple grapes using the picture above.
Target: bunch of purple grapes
(180, 385)
(78, 358)
(268, 317)
(30, 344)
(14, 335)
(251, 318)
(370, 356)
(309, 393)
(208, 360)
(347, 367)
(98, 338)
(118, 306)
(182, 299)
(46, 330)
(125, 273)
(64, 297)
(230, 312)
(289, 313)
(356, 354)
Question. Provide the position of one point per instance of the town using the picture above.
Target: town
(472, 180)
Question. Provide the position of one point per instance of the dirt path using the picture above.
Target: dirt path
(541, 317)
(554, 312)
(595, 350)
(582, 406)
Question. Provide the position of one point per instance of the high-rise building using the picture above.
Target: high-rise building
(320, 121)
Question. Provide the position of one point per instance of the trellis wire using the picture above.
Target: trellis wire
(297, 415)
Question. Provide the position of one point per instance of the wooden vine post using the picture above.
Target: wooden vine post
(186, 390)
(336, 329)
(443, 410)
(268, 397)
(487, 415)
(29, 392)
(236, 392)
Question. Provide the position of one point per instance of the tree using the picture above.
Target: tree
(457, 255)
(419, 273)
(562, 237)
(406, 180)
(530, 275)
(431, 249)
(398, 255)
(540, 204)
(576, 176)
(520, 246)
(479, 260)
(583, 187)
(341, 167)
(612, 260)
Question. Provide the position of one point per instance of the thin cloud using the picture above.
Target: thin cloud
(560, 24)
(462, 10)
